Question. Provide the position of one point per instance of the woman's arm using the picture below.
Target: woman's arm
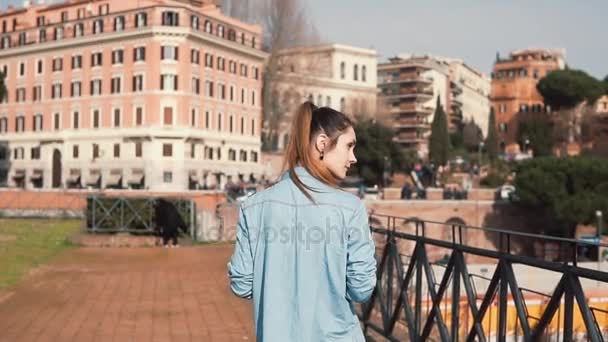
(360, 263)
(240, 267)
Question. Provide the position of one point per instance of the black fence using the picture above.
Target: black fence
(411, 304)
(108, 214)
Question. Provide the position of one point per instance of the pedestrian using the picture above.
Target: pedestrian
(304, 251)
(168, 221)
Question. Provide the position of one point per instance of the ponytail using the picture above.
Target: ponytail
(304, 129)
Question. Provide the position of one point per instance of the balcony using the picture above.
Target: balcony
(411, 123)
(405, 79)
(412, 108)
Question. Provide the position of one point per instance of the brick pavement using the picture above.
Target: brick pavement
(128, 294)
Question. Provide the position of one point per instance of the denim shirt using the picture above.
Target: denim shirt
(303, 263)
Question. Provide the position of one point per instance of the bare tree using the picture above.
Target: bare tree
(285, 24)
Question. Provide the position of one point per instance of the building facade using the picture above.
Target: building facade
(153, 94)
(410, 86)
(333, 75)
(514, 92)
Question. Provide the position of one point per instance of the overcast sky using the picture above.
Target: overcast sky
(471, 30)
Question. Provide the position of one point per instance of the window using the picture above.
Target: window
(256, 73)
(220, 30)
(96, 118)
(243, 70)
(208, 26)
(138, 83)
(141, 19)
(221, 63)
(356, 72)
(98, 26)
(535, 74)
(195, 56)
(117, 56)
(3, 125)
(139, 116)
(363, 73)
(76, 120)
(232, 67)
(78, 29)
(168, 116)
(96, 59)
(192, 150)
(116, 117)
(196, 85)
(207, 119)
(58, 34)
(168, 82)
(96, 87)
(56, 121)
(37, 125)
(193, 119)
(64, 16)
(167, 177)
(254, 156)
(104, 9)
(194, 22)
(342, 104)
(231, 155)
(80, 13)
(242, 125)
(222, 91)
(35, 153)
(57, 64)
(138, 149)
(170, 18)
(115, 85)
(20, 123)
(56, 91)
(252, 126)
(116, 150)
(168, 52)
(209, 88)
(230, 124)
(5, 42)
(243, 155)
(119, 23)
(328, 101)
(21, 69)
(209, 60)
(39, 67)
(219, 121)
(231, 35)
(253, 97)
(502, 127)
(243, 96)
(76, 62)
(253, 44)
(75, 151)
(167, 150)
(95, 151)
(76, 89)
(20, 95)
(342, 70)
(319, 100)
(42, 35)
(231, 93)
(37, 93)
(139, 54)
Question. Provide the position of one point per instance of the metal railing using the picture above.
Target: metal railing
(409, 303)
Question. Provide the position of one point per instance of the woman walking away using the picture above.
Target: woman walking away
(304, 251)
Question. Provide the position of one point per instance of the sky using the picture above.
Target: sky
(472, 30)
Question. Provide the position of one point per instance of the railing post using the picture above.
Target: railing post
(568, 310)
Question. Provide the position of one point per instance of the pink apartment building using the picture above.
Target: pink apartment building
(146, 94)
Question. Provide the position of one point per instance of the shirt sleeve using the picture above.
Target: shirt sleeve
(240, 266)
(360, 263)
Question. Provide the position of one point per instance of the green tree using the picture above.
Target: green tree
(471, 135)
(374, 143)
(439, 142)
(567, 191)
(567, 88)
(539, 135)
(492, 138)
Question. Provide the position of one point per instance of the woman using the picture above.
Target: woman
(304, 251)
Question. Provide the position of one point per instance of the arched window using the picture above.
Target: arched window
(356, 72)
(220, 30)
(342, 70)
(363, 73)
(231, 35)
(208, 26)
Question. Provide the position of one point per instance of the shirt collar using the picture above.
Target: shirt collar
(306, 178)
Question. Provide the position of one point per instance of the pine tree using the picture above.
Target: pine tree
(492, 138)
(439, 142)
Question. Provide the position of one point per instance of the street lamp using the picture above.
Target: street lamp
(481, 144)
(598, 215)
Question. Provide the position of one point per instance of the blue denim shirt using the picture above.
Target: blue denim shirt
(303, 264)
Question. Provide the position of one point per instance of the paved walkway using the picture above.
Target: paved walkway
(122, 294)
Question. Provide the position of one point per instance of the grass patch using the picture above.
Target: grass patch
(27, 243)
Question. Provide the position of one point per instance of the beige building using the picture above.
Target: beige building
(473, 92)
(333, 75)
(147, 94)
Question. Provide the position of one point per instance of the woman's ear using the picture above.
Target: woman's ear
(321, 142)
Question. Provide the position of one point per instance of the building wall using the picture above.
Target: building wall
(189, 126)
(315, 74)
(514, 93)
(475, 94)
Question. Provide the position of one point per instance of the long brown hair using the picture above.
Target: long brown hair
(308, 122)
